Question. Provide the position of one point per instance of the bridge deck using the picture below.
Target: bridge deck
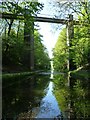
(38, 19)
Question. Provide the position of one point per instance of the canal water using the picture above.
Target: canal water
(46, 95)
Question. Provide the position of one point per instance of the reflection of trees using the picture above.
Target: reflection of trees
(80, 99)
(61, 91)
(73, 101)
(23, 96)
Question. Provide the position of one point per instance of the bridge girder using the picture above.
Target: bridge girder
(40, 19)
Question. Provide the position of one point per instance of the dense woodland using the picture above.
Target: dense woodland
(80, 44)
(15, 50)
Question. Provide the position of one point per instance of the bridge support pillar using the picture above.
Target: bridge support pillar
(29, 42)
(70, 36)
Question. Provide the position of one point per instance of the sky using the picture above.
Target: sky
(49, 37)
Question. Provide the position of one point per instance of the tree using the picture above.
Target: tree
(80, 49)
(81, 46)
(61, 9)
(42, 60)
(15, 51)
(17, 54)
(23, 8)
(60, 52)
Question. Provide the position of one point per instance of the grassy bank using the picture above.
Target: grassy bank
(10, 75)
(19, 74)
(9, 79)
(13, 78)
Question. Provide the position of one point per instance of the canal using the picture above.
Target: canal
(46, 95)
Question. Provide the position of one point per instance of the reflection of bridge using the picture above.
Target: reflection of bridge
(30, 38)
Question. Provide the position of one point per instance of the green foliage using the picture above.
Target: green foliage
(81, 46)
(60, 52)
(42, 60)
(12, 48)
(75, 99)
(26, 9)
(81, 41)
(61, 91)
(15, 51)
(20, 8)
(81, 102)
(79, 51)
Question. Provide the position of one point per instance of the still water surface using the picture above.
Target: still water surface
(45, 96)
(49, 106)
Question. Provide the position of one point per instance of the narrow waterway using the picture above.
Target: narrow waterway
(49, 106)
(45, 95)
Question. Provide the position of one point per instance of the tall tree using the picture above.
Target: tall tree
(60, 52)
(42, 60)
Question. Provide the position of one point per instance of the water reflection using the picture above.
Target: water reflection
(46, 96)
(51, 77)
(22, 96)
(49, 106)
(73, 99)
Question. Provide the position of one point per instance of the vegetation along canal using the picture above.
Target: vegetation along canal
(45, 95)
(27, 92)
